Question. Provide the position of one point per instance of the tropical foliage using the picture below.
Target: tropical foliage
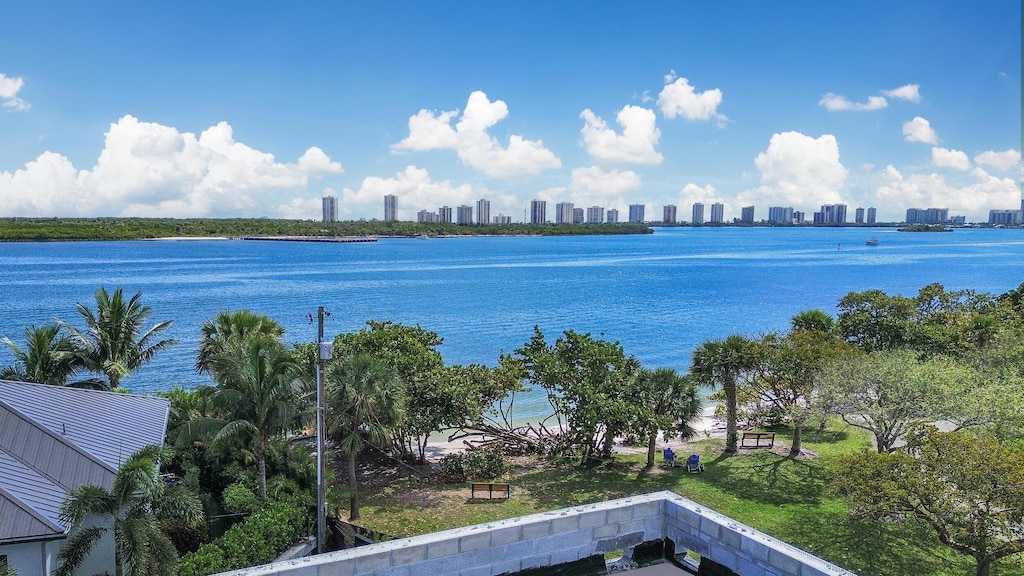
(132, 508)
(721, 364)
(115, 342)
(49, 357)
(968, 489)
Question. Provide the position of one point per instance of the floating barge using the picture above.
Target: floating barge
(336, 239)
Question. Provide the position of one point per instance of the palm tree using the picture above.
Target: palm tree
(48, 358)
(673, 402)
(114, 343)
(226, 326)
(256, 395)
(365, 401)
(719, 363)
(135, 504)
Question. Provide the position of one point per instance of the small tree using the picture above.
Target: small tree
(588, 383)
(135, 504)
(721, 364)
(365, 401)
(969, 490)
(49, 357)
(888, 392)
(671, 404)
(115, 342)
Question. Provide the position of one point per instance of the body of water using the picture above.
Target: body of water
(659, 295)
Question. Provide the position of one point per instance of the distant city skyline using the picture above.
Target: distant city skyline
(596, 107)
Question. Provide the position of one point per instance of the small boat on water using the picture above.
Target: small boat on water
(872, 242)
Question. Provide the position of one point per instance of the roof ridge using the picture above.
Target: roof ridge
(60, 438)
(29, 509)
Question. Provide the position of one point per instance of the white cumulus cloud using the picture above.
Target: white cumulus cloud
(595, 186)
(919, 130)
(678, 98)
(947, 158)
(1004, 160)
(147, 169)
(909, 92)
(473, 144)
(834, 102)
(636, 144)
(801, 171)
(933, 190)
(9, 88)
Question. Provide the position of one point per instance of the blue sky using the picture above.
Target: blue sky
(259, 108)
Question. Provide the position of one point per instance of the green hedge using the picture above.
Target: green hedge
(257, 540)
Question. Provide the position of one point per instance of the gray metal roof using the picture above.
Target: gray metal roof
(107, 425)
(54, 439)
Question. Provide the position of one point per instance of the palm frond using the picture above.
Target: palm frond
(76, 549)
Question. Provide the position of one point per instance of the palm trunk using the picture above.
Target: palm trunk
(730, 418)
(261, 467)
(353, 504)
(652, 445)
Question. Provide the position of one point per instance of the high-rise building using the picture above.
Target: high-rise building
(780, 215)
(444, 214)
(330, 208)
(636, 213)
(831, 214)
(747, 214)
(483, 211)
(563, 213)
(538, 211)
(464, 215)
(613, 216)
(859, 216)
(668, 214)
(1005, 217)
(595, 215)
(927, 216)
(577, 215)
(390, 207)
(426, 216)
(871, 215)
(717, 213)
(502, 219)
(799, 217)
(698, 213)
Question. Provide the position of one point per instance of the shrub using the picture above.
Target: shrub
(239, 499)
(257, 540)
(478, 464)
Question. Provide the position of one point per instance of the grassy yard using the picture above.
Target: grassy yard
(787, 498)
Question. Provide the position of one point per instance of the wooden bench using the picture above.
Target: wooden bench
(490, 490)
(757, 440)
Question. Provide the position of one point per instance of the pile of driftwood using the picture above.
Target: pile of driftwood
(497, 431)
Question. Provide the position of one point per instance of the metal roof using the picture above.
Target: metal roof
(54, 439)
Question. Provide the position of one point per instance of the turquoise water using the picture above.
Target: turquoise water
(659, 295)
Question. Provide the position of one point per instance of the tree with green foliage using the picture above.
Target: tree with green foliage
(969, 490)
(256, 396)
(49, 357)
(587, 381)
(671, 405)
(721, 364)
(219, 331)
(812, 320)
(115, 342)
(889, 391)
(365, 401)
(411, 352)
(783, 372)
(134, 505)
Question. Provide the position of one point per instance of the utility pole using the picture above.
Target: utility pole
(324, 352)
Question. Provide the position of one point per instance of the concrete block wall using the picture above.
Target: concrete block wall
(561, 536)
(736, 546)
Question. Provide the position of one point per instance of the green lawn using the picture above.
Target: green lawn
(787, 498)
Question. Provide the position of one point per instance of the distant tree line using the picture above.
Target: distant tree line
(44, 229)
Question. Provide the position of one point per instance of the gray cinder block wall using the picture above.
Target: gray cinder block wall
(562, 536)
